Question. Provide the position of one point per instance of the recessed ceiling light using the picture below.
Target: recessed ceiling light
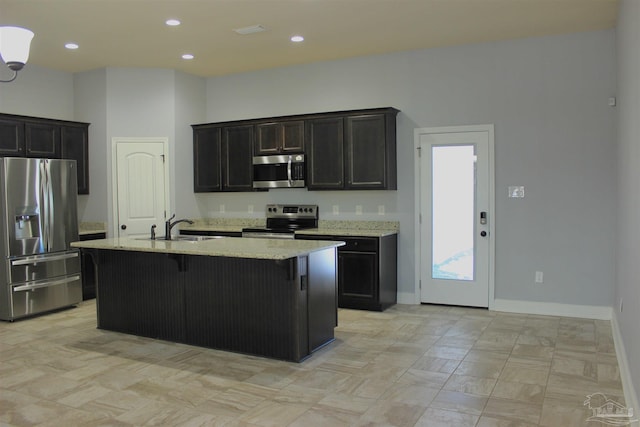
(187, 56)
(71, 46)
(172, 22)
(297, 39)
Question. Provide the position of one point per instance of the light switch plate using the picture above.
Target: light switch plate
(516, 192)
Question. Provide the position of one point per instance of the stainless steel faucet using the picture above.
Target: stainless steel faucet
(168, 225)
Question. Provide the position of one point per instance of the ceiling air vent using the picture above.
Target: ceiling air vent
(250, 30)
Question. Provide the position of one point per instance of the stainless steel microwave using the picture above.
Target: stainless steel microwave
(281, 171)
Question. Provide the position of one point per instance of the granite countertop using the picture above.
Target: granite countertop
(234, 247)
(325, 227)
(92, 228)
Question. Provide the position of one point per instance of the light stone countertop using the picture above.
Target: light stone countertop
(235, 247)
(325, 227)
(92, 227)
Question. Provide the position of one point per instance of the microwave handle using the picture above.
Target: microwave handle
(289, 171)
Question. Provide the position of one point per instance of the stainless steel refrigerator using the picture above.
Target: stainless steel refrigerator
(38, 221)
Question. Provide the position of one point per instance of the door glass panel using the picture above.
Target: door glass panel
(453, 205)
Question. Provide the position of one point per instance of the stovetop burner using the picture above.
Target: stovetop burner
(283, 220)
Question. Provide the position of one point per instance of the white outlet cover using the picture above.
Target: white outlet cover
(336, 209)
(358, 209)
(380, 209)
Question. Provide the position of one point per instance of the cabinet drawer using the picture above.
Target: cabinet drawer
(360, 244)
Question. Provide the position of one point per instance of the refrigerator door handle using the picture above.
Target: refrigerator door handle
(35, 285)
(50, 207)
(38, 259)
(42, 198)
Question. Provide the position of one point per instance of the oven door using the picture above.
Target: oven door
(284, 171)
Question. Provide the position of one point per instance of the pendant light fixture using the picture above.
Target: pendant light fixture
(14, 48)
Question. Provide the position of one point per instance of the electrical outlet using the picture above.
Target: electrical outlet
(336, 209)
(222, 208)
(539, 277)
(380, 209)
(250, 209)
(358, 209)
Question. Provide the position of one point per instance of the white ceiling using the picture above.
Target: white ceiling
(132, 33)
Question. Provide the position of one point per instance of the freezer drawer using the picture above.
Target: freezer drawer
(40, 267)
(44, 295)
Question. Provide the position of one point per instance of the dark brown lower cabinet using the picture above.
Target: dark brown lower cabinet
(88, 269)
(367, 270)
(283, 309)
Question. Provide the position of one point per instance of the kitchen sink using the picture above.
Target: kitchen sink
(182, 238)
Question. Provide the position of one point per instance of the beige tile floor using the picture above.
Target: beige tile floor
(409, 366)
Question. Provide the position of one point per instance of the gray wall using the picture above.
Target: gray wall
(554, 133)
(627, 286)
(90, 100)
(38, 92)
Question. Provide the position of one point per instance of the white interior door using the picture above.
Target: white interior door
(141, 186)
(456, 215)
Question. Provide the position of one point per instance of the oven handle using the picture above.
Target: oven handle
(289, 171)
(35, 285)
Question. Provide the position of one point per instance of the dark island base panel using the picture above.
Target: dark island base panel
(252, 306)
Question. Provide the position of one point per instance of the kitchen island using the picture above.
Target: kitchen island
(267, 297)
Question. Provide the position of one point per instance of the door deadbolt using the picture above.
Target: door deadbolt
(123, 226)
(483, 233)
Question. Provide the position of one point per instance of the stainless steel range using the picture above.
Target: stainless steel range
(282, 221)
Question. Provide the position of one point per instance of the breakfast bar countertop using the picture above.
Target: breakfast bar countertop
(235, 247)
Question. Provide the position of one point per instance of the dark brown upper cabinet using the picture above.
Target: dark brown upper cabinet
(370, 151)
(222, 158)
(279, 137)
(74, 143)
(207, 157)
(237, 156)
(324, 140)
(354, 151)
(22, 136)
(344, 150)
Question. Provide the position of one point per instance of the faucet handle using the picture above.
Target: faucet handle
(172, 216)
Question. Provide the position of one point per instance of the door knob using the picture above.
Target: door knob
(123, 226)
(483, 233)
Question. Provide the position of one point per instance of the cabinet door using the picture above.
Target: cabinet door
(325, 156)
(207, 156)
(11, 138)
(75, 146)
(237, 153)
(357, 279)
(366, 152)
(293, 136)
(42, 140)
(279, 137)
(268, 136)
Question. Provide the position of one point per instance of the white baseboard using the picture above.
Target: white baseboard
(407, 298)
(630, 394)
(552, 309)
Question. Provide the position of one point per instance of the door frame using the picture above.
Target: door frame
(114, 172)
(489, 129)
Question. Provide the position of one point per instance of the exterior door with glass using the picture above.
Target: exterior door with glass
(455, 211)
